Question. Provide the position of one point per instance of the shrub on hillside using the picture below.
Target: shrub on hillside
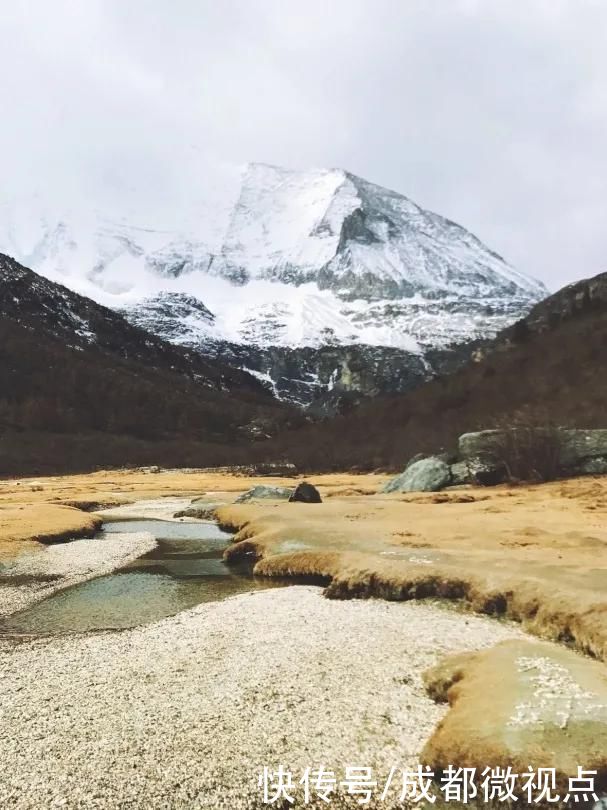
(528, 447)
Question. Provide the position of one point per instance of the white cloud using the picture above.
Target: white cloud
(492, 113)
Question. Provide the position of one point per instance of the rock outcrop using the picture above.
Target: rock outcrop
(580, 451)
(479, 462)
(425, 475)
(262, 492)
(305, 493)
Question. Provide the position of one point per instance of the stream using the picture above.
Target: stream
(185, 569)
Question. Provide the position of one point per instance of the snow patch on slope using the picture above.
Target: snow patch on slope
(285, 258)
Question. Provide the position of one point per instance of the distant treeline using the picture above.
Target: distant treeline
(62, 409)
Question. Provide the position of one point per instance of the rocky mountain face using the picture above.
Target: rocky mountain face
(573, 301)
(80, 386)
(320, 283)
(547, 370)
(327, 379)
(39, 304)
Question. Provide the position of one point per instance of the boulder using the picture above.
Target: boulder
(582, 444)
(487, 474)
(199, 512)
(482, 472)
(262, 492)
(414, 459)
(305, 493)
(575, 446)
(426, 475)
(477, 445)
(591, 466)
(460, 473)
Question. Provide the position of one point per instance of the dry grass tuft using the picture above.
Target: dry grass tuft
(45, 523)
(539, 558)
(521, 704)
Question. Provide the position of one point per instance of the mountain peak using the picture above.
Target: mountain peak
(291, 255)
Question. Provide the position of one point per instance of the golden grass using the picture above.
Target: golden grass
(521, 704)
(537, 554)
(44, 523)
(36, 509)
(534, 554)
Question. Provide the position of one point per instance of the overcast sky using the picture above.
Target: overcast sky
(491, 113)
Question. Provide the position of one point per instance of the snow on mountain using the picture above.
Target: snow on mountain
(287, 259)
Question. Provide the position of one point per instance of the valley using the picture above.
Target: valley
(303, 405)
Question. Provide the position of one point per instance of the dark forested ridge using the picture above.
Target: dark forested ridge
(553, 364)
(81, 380)
(51, 309)
(80, 388)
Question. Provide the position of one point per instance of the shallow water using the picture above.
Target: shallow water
(185, 569)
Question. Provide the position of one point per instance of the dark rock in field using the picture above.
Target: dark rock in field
(484, 471)
(305, 493)
(262, 492)
(487, 475)
(426, 475)
(477, 471)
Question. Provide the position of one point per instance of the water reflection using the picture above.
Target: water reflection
(185, 569)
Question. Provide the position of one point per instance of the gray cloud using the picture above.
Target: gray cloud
(493, 113)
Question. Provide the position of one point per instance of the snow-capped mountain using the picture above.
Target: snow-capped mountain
(43, 307)
(289, 260)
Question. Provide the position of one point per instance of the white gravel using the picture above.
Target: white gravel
(151, 509)
(185, 713)
(71, 563)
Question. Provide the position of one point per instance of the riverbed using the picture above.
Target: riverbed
(184, 711)
(181, 568)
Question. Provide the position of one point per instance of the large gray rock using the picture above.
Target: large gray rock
(414, 459)
(476, 445)
(583, 444)
(591, 466)
(576, 446)
(427, 475)
(263, 492)
(460, 473)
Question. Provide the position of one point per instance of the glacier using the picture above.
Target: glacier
(286, 259)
